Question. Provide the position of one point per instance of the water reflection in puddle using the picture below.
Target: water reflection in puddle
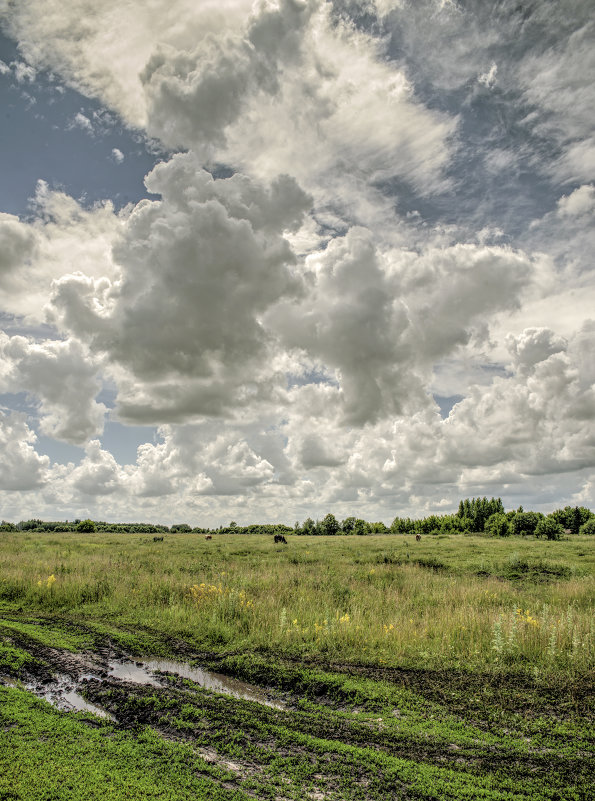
(61, 693)
(135, 672)
(76, 702)
(141, 673)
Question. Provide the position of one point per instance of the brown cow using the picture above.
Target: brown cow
(208, 537)
(417, 537)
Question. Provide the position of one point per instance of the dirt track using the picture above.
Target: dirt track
(314, 730)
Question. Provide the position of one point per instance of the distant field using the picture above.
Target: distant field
(455, 667)
(445, 601)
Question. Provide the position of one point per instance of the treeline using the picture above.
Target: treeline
(90, 526)
(483, 516)
(85, 526)
(474, 516)
(478, 516)
(253, 528)
(330, 525)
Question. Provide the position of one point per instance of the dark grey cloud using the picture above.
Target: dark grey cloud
(365, 283)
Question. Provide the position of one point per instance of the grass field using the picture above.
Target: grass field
(456, 667)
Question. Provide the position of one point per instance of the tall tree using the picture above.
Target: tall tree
(329, 524)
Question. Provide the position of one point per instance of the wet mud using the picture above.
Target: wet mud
(148, 671)
(259, 730)
(462, 690)
(60, 677)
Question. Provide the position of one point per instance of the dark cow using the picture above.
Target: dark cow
(157, 539)
(208, 537)
(280, 538)
(417, 537)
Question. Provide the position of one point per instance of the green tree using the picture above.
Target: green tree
(548, 528)
(497, 525)
(361, 527)
(348, 525)
(402, 525)
(588, 527)
(571, 517)
(428, 525)
(478, 510)
(330, 524)
(524, 523)
(86, 526)
(576, 520)
(309, 526)
(29, 525)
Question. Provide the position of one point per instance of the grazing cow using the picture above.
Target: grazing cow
(280, 538)
(208, 537)
(157, 539)
(417, 537)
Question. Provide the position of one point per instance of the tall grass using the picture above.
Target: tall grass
(444, 602)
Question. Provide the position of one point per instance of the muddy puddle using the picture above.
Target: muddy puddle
(63, 691)
(147, 672)
(60, 693)
(67, 699)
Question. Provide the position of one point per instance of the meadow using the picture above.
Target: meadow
(454, 667)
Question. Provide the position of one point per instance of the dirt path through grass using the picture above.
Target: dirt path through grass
(335, 731)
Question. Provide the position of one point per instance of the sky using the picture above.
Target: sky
(264, 261)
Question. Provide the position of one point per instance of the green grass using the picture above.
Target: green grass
(50, 634)
(47, 755)
(13, 660)
(454, 668)
(447, 601)
(368, 740)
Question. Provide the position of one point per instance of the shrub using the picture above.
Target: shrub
(497, 525)
(86, 526)
(525, 523)
(588, 527)
(548, 528)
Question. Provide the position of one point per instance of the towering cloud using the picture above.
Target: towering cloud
(361, 275)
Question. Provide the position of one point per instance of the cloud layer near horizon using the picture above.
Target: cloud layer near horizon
(368, 211)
